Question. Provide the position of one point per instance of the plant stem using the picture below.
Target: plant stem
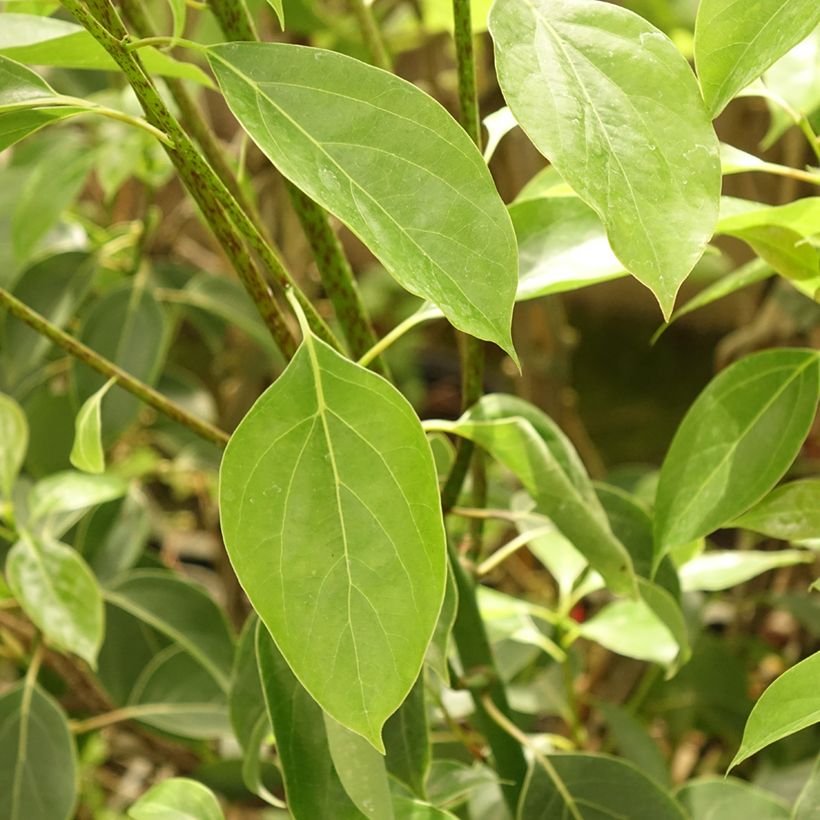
(371, 35)
(476, 656)
(510, 548)
(102, 365)
(214, 199)
(334, 269)
(465, 60)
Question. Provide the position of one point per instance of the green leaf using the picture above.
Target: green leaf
(736, 42)
(369, 147)
(790, 512)
(613, 105)
(406, 808)
(729, 799)
(407, 742)
(279, 11)
(58, 591)
(179, 14)
(29, 38)
(551, 472)
(735, 443)
(70, 492)
(177, 798)
(183, 612)
(735, 161)
(438, 651)
(353, 604)
(594, 786)
(805, 808)
(312, 786)
(128, 327)
(13, 443)
(87, 453)
(38, 762)
(789, 704)
(562, 246)
(361, 770)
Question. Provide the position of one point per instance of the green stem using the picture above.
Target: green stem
(331, 262)
(102, 365)
(371, 35)
(465, 63)
(477, 662)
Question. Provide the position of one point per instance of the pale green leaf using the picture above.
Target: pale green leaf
(369, 147)
(50, 41)
(614, 106)
(38, 761)
(69, 492)
(498, 125)
(278, 10)
(709, 798)
(593, 786)
(789, 704)
(361, 770)
(735, 161)
(735, 443)
(352, 603)
(406, 808)
(407, 741)
(790, 512)
(806, 806)
(312, 787)
(736, 42)
(87, 453)
(183, 612)
(58, 591)
(177, 798)
(13, 443)
(562, 246)
(724, 569)
(438, 652)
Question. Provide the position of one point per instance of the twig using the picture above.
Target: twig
(102, 365)
(371, 35)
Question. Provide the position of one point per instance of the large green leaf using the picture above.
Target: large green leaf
(613, 105)
(38, 762)
(736, 42)
(724, 569)
(541, 460)
(331, 518)
(177, 798)
(128, 327)
(370, 147)
(407, 741)
(789, 704)
(562, 246)
(181, 611)
(593, 787)
(13, 443)
(312, 786)
(58, 591)
(790, 512)
(37, 40)
(710, 798)
(735, 443)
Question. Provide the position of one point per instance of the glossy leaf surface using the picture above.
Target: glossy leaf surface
(59, 593)
(613, 105)
(369, 147)
(352, 604)
(736, 42)
(790, 512)
(177, 798)
(38, 765)
(789, 704)
(735, 443)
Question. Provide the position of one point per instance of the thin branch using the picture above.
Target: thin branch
(102, 365)
(371, 34)
(510, 548)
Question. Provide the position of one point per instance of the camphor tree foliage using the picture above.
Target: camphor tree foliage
(381, 615)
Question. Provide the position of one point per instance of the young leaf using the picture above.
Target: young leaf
(789, 704)
(87, 453)
(13, 443)
(58, 591)
(183, 612)
(129, 327)
(369, 147)
(736, 42)
(592, 785)
(719, 570)
(69, 492)
(312, 786)
(708, 798)
(790, 512)
(407, 741)
(735, 443)
(614, 106)
(361, 770)
(38, 761)
(177, 798)
(279, 11)
(352, 603)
